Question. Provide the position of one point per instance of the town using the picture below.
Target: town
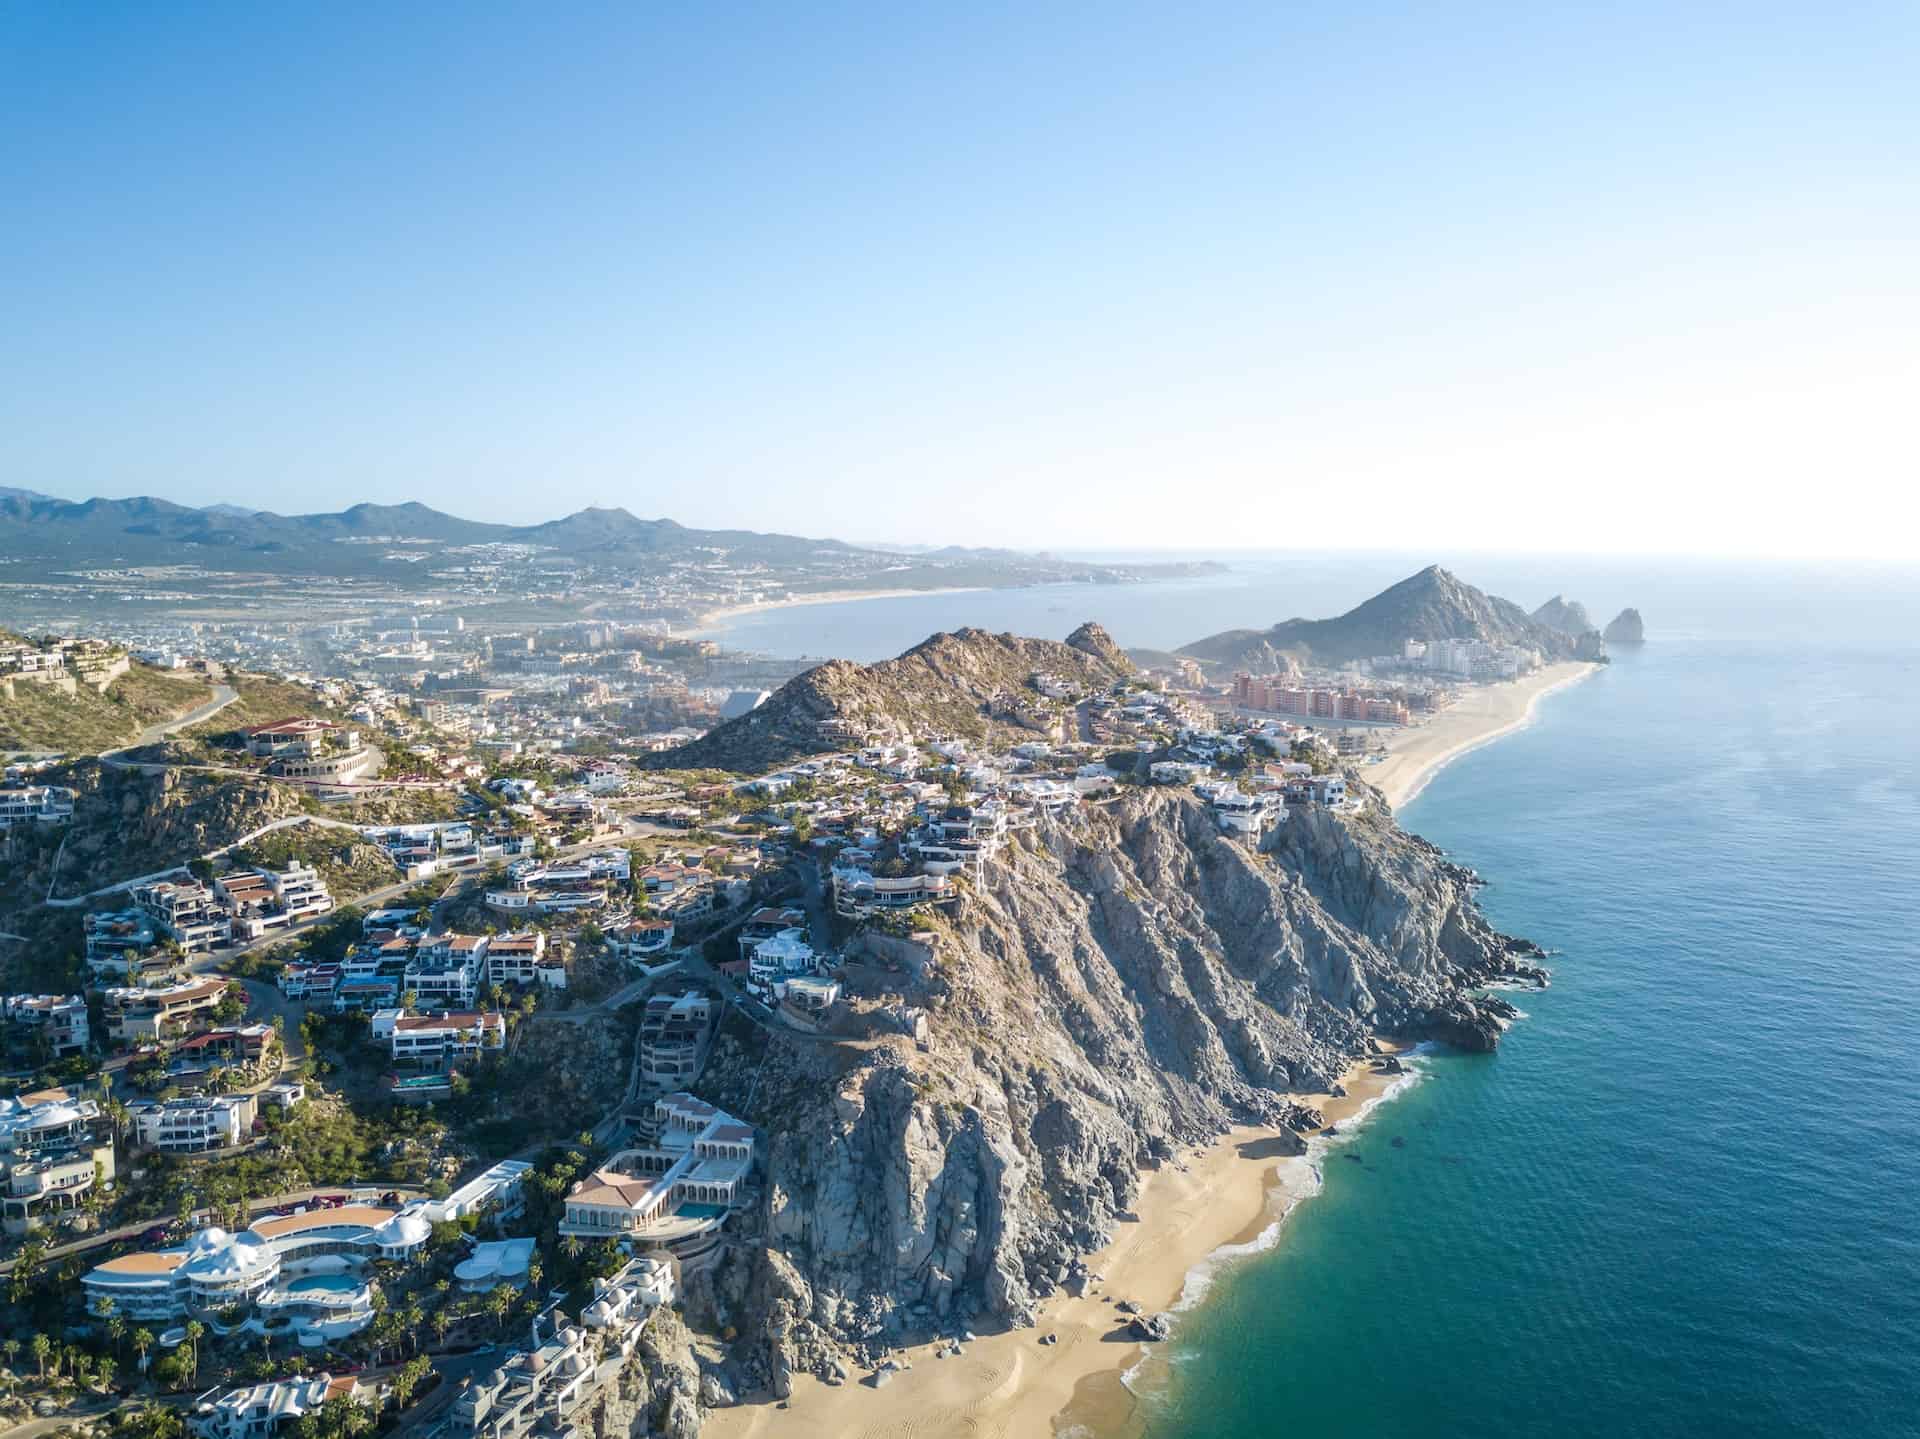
(275, 1148)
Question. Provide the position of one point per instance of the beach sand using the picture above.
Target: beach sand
(717, 619)
(1010, 1385)
(1482, 713)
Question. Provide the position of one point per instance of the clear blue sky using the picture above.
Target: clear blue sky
(1633, 276)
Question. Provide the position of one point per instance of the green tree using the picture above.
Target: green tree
(11, 1348)
(194, 1330)
(103, 1367)
(41, 1347)
(26, 1268)
(142, 1342)
(408, 1378)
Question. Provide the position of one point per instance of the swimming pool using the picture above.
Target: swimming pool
(324, 1284)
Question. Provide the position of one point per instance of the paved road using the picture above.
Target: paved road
(223, 695)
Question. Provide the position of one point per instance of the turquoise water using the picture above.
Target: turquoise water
(1684, 1197)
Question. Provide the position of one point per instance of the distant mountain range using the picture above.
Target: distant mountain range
(1433, 604)
(148, 531)
(370, 539)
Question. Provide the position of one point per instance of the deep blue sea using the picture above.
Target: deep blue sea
(1684, 1197)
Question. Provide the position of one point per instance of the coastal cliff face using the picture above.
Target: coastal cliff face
(1124, 983)
(1626, 628)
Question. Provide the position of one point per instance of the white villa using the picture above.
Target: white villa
(258, 1410)
(783, 957)
(675, 1191)
(298, 1273)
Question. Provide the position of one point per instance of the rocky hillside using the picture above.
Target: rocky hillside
(127, 823)
(1570, 617)
(1127, 982)
(1430, 605)
(945, 684)
(42, 718)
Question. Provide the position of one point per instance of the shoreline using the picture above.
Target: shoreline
(1482, 716)
(1207, 1207)
(718, 618)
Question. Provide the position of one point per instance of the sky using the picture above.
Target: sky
(1635, 277)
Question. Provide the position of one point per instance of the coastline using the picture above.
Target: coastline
(717, 619)
(1482, 716)
(1208, 1205)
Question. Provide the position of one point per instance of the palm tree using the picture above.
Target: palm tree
(194, 1330)
(12, 1350)
(534, 1271)
(413, 1317)
(142, 1342)
(41, 1346)
(116, 1327)
(81, 1363)
(103, 1367)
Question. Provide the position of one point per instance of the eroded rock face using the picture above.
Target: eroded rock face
(1126, 982)
(1626, 628)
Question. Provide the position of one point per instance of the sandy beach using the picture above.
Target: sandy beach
(1482, 714)
(716, 619)
(1010, 1385)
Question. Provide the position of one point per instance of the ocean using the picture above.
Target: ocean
(1684, 1196)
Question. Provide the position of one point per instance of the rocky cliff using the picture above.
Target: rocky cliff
(1626, 628)
(1125, 982)
(1569, 617)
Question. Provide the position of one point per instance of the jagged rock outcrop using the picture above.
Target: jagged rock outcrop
(1626, 628)
(1569, 617)
(1126, 982)
(1589, 646)
(658, 1390)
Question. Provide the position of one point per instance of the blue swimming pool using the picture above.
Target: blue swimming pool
(323, 1283)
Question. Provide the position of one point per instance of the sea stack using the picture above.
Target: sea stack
(1626, 628)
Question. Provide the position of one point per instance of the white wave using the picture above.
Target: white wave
(1297, 1179)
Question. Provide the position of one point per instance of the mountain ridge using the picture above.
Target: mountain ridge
(1431, 604)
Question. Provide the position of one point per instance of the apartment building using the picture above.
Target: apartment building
(524, 959)
(445, 971)
(186, 912)
(153, 1016)
(263, 900)
(675, 1032)
(438, 1041)
(193, 1126)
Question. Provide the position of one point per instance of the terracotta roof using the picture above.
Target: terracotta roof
(370, 1216)
(150, 1262)
(610, 1189)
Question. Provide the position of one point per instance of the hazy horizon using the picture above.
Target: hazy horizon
(1632, 281)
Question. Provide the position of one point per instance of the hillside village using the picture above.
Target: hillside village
(422, 1040)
